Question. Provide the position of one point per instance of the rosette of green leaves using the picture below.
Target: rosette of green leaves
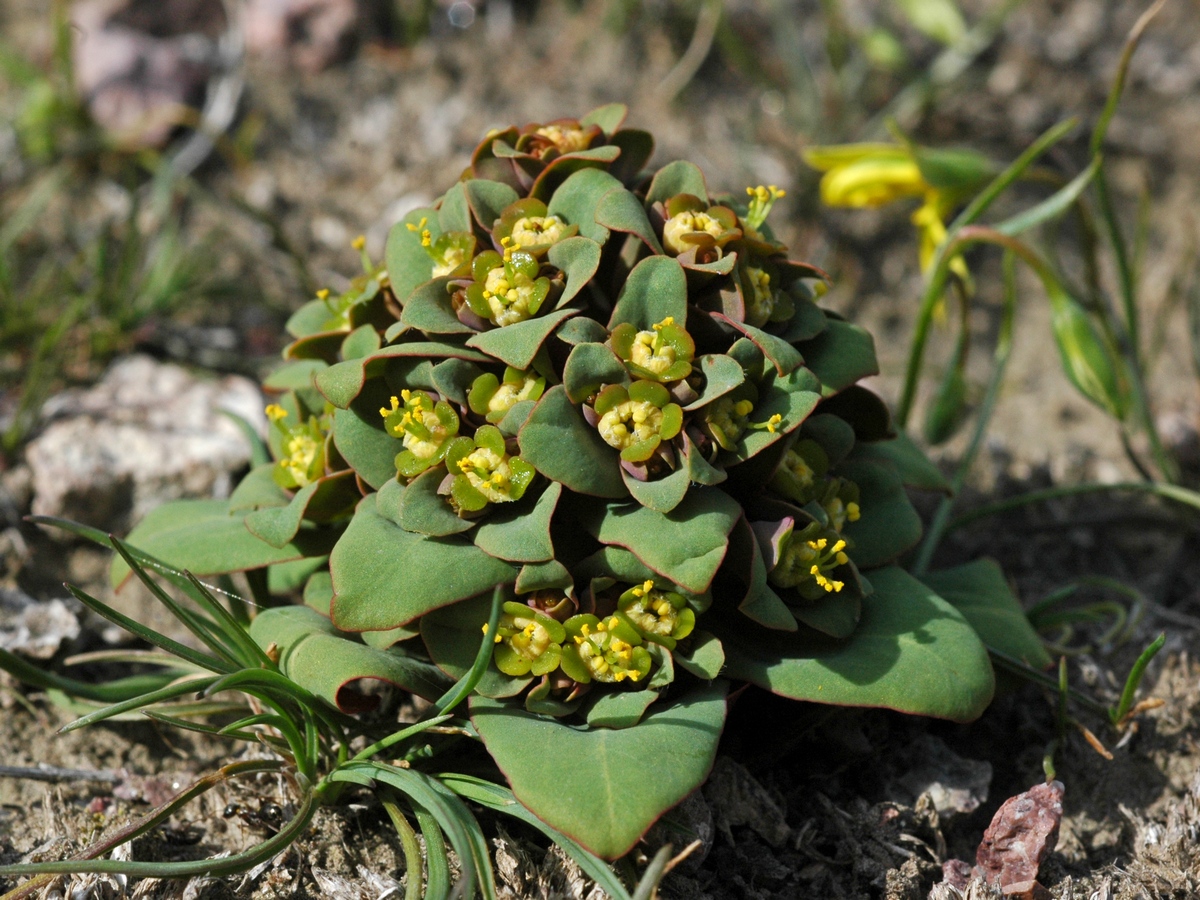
(760, 445)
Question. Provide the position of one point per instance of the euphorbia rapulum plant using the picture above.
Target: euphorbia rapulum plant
(613, 392)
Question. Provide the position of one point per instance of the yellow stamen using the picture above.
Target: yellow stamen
(359, 242)
(323, 294)
(275, 412)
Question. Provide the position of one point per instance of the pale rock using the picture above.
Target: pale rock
(149, 432)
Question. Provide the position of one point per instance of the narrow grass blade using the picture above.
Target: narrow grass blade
(437, 882)
(648, 885)
(1005, 179)
(465, 685)
(170, 692)
(392, 739)
(200, 727)
(1053, 206)
(414, 867)
(204, 629)
(105, 692)
(235, 631)
(202, 660)
(1135, 678)
(501, 799)
(451, 815)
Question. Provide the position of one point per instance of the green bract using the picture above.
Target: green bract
(614, 395)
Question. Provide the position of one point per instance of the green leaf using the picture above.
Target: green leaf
(679, 177)
(576, 199)
(455, 213)
(792, 396)
(915, 469)
(321, 501)
(488, 199)
(621, 210)
(593, 159)
(578, 258)
(660, 494)
(981, 593)
(341, 383)
(295, 375)
(361, 341)
(703, 655)
(384, 576)
(516, 345)
(594, 784)
(889, 524)
(543, 576)
(520, 532)
(637, 147)
(316, 657)
(428, 309)
(558, 442)
(588, 367)
(502, 800)
(288, 577)
(409, 266)
(840, 355)
(582, 330)
(654, 290)
(204, 537)
(686, 545)
(721, 375)
(782, 355)
(609, 117)
(258, 490)
(452, 636)
(759, 603)
(360, 437)
(620, 710)
(419, 507)
(835, 614)
(912, 652)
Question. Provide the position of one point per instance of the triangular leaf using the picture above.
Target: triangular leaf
(384, 576)
(516, 345)
(592, 784)
(912, 652)
(981, 593)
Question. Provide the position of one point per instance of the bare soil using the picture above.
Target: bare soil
(805, 801)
